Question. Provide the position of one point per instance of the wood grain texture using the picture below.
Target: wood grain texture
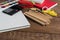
(38, 16)
(36, 31)
(19, 35)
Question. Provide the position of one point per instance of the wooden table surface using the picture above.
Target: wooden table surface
(36, 31)
(54, 27)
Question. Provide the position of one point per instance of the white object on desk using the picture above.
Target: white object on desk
(39, 1)
(14, 22)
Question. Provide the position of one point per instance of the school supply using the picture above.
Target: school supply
(14, 22)
(39, 17)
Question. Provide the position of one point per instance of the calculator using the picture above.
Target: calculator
(12, 10)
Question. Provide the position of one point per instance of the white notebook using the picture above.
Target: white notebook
(8, 23)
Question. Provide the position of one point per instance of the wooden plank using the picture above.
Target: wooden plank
(38, 16)
(39, 21)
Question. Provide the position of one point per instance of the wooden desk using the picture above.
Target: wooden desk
(54, 27)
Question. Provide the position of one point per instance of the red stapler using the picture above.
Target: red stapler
(27, 4)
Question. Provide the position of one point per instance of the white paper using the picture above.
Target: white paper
(17, 20)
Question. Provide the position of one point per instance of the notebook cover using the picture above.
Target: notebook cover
(47, 3)
(14, 22)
